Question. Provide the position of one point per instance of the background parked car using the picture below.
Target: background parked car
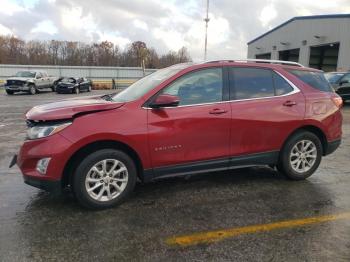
(73, 85)
(29, 81)
(340, 81)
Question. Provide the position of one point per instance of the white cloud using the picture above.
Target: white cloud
(46, 26)
(173, 40)
(5, 30)
(114, 38)
(140, 24)
(268, 13)
(73, 19)
(9, 7)
(164, 25)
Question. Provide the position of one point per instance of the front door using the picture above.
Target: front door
(40, 81)
(196, 130)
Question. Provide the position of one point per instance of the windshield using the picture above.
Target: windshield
(333, 77)
(68, 80)
(26, 74)
(145, 84)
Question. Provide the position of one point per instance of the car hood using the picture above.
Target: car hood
(19, 78)
(67, 109)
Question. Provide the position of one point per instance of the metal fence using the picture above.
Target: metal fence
(100, 75)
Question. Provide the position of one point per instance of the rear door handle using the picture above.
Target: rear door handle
(289, 103)
(217, 111)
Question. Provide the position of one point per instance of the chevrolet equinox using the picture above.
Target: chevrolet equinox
(184, 119)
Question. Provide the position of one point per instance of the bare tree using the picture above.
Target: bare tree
(16, 51)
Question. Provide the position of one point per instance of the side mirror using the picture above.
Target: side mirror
(164, 100)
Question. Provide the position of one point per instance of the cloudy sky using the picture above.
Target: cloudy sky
(163, 24)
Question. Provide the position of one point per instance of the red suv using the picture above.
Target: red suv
(184, 119)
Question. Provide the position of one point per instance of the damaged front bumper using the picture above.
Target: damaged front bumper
(17, 88)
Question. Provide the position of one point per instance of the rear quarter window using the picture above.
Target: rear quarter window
(316, 80)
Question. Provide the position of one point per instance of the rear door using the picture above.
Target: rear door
(196, 130)
(266, 108)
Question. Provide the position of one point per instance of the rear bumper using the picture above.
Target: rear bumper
(332, 146)
(51, 186)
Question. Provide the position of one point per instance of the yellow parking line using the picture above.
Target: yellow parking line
(214, 236)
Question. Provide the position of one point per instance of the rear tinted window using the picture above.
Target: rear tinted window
(282, 87)
(314, 79)
(253, 83)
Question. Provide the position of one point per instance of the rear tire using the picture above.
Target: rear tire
(300, 156)
(97, 185)
(9, 92)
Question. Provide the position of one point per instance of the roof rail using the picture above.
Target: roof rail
(257, 61)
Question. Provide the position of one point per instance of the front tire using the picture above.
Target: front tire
(32, 90)
(300, 156)
(104, 179)
(9, 92)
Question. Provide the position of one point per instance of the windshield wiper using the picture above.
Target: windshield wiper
(108, 97)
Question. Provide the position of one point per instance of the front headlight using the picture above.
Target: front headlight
(40, 131)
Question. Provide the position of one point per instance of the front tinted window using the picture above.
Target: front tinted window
(281, 86)
(147, 83)
(204, 86)
(314, 79)
(253, 83)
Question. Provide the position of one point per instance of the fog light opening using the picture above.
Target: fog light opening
(42, 165)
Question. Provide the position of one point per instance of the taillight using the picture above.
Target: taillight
(338, 101)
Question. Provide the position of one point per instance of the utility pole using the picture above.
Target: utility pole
(206, 20)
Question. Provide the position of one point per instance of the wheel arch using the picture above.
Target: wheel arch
(315, 130)
(87, 149)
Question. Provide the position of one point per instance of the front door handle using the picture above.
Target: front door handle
(289, 103)
(217, 111)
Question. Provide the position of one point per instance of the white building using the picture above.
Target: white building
(321, 42)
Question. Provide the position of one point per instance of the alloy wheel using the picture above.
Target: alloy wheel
(303, 156)
(106, 180)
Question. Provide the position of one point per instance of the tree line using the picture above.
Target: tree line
(14, 50)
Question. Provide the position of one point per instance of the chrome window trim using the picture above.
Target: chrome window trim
(295, 90)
